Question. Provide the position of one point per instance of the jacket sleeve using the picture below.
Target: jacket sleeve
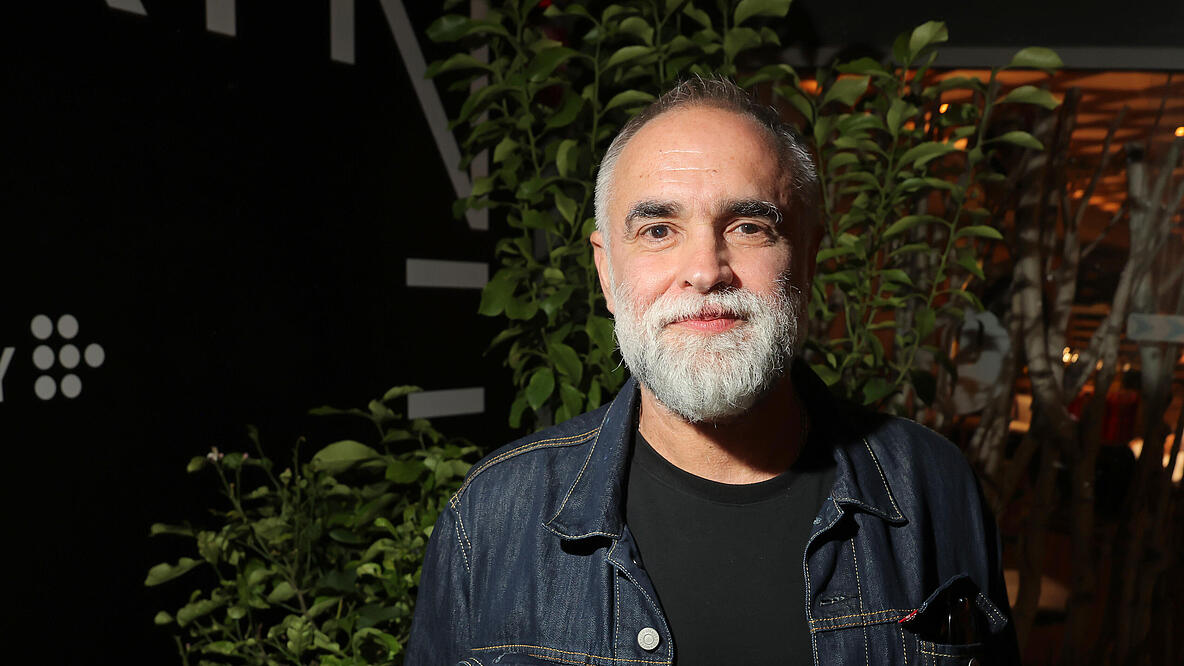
(440, 630)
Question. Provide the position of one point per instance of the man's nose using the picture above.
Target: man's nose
(706, 266)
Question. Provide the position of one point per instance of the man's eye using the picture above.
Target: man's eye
(749, 228)
(657, 231)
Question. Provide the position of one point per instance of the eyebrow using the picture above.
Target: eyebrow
(648, 210)
(753, 208)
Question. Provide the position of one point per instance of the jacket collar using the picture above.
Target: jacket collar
(594, 502)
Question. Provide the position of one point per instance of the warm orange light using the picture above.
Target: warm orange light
(1180, 131)
(1077, 194)
(960, 144)
(945, 107)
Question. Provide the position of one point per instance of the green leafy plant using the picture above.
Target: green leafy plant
(907, 161)
(561, 79)
(316, 563)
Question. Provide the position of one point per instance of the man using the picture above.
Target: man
(722, 509)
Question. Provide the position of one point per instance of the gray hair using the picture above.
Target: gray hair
(720, 93)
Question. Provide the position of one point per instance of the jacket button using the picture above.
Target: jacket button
(648, 639)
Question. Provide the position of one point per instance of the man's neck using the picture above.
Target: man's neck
(755, 446)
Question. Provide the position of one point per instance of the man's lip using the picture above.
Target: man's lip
(711, 323)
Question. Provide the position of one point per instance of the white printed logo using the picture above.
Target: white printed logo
(67, 356)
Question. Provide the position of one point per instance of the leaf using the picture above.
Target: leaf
(403, 471)
(846, 90)
(568, 109)
(1031, 95)
(457, 61)
(932, 32)
(628, 97)
(165, 572)
(627, 53)
(971, 265)
(399, 392)
(826, 374)
(863, 66)
(497, 293)
(553, 303)
(542, 383)
(979, 231)
(697, 15)
(1036, 57)
(546, 61)
(875, 389)
(566, 205)
(926, 321)
(749, 8)
(740, 39)
(1019, 138)
(521, 309)
(563, 156)
(342, 455)
(639, 28)
(516, 411)
(504, 149)
(600, 332)
(282, 592)
(908, 222)
(447, 28)
(567, 361)
(899, 112)
(162, 618)
(768, 73)
(924, 152)
(198, 609)
(161, 528)
(896, 275)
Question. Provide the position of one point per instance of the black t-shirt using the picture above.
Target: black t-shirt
(726, 560)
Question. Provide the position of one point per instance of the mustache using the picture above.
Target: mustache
(736, 304)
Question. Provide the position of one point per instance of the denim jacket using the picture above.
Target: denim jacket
(532, 562)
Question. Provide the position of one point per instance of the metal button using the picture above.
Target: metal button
(974, 662)
(648, 639)
(817, 521)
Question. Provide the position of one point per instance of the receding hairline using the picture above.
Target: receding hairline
(792, 157)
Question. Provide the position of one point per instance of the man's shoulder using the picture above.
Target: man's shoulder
(533, 464)
(916, 460)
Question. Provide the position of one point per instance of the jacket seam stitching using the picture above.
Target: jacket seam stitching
(544, 443)
(459, 541)
(582, 654)
(867, 614)
(883, 479)
(583, 467)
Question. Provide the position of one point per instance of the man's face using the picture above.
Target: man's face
(706, 278)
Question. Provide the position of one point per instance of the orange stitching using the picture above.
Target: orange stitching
(522, 449)
(904, 650)
(843, 617)
(582, 654)
(943, 654)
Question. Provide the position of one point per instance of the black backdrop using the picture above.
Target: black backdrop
(228, 218)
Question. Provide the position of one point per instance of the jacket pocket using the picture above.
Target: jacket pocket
(955, 625)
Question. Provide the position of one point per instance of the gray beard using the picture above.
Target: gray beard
(705, 377)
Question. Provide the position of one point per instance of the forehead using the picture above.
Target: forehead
(699, 152)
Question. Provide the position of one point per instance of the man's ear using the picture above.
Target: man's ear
(598, 255)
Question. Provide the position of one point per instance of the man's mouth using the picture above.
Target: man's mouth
(709, 320)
